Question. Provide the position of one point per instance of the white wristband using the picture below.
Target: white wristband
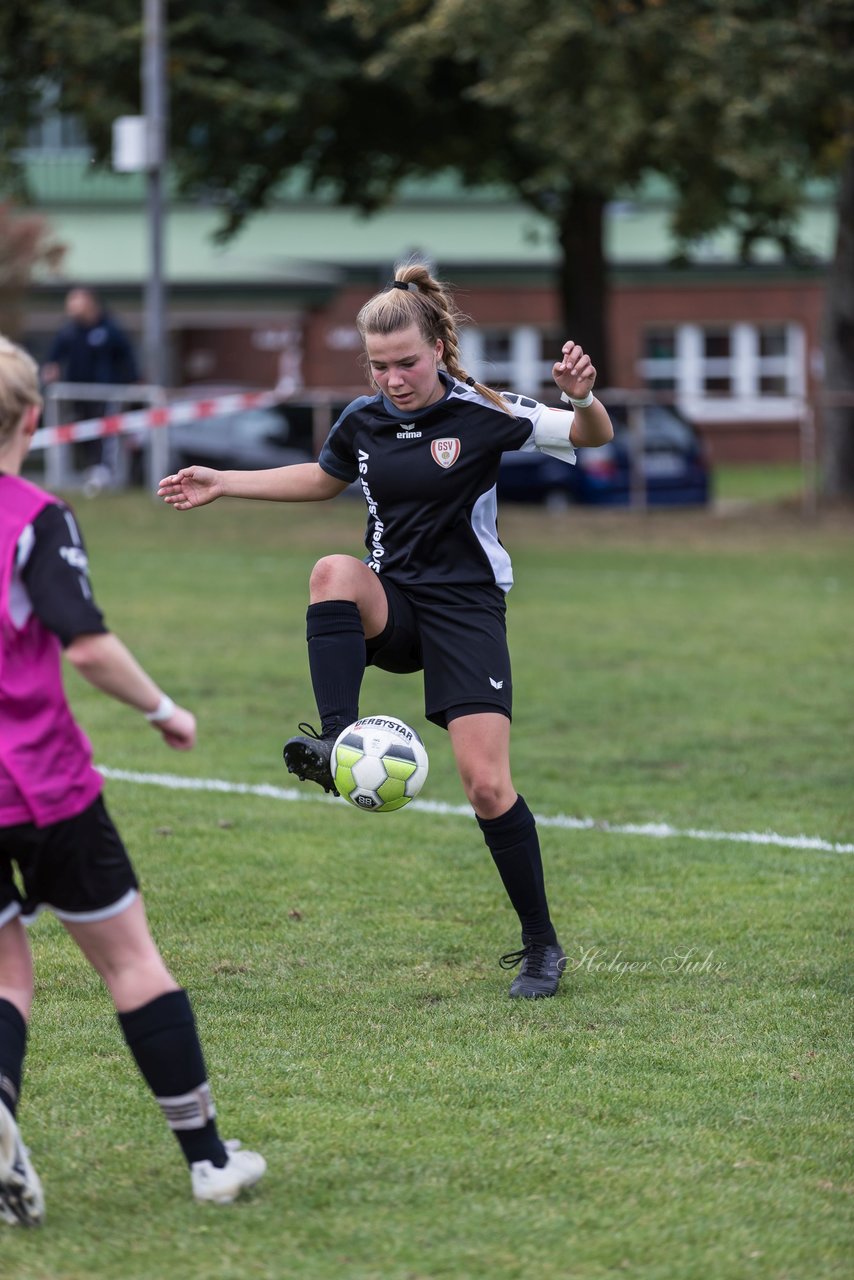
(164, 710)
(577, 404)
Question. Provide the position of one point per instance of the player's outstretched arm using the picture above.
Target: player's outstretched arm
(106, 663)
(196, 486)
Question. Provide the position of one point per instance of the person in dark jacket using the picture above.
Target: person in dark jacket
(92, 347)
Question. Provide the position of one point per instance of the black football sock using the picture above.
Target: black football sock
(163, 1039)
(336, 660)
(515, 847)
(13, 1046)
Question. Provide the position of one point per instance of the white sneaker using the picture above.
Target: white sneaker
(21, 1196)
(221, 1186)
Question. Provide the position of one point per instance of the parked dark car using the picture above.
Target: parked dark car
(675, 467)
(247, 439)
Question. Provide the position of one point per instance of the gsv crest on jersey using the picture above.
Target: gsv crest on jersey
(445, 452)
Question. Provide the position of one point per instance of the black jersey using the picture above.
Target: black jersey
(429, 482)
(51, 576)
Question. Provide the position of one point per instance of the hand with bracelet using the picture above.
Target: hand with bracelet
(106, 662)
(177, 724)
(575, 375)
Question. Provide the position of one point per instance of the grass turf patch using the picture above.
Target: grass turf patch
(678, 1110)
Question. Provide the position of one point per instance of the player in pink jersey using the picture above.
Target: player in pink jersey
(55, 829)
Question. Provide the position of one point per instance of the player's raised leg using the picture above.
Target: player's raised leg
(346, 604)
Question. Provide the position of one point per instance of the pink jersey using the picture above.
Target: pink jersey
(46, 771)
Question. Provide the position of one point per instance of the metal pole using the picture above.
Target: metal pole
(637, 469)
(321, 424)
(809, 461)
(154, 109)
(56, 461)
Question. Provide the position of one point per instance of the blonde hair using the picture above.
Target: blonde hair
(19, 387)
(428, 304)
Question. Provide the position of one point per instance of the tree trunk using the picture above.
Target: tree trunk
(838, 420)
(583, 277)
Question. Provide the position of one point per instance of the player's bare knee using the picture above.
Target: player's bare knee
(486, 794)
(332, 579)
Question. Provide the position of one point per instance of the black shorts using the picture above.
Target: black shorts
(458, 637)
(78, 868)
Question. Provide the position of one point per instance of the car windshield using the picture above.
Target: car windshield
(663, 429)
(250, 426)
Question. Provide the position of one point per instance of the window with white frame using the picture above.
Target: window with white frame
(518, 358)
(720, 371)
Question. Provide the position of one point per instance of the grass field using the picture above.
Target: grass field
(756, 482)
(677, 1113)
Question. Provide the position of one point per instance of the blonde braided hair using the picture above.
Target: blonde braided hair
(428, 304)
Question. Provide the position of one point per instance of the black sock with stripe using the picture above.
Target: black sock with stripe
(163, 1039)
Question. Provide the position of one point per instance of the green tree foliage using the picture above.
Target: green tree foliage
(255, 92)
(737, 102)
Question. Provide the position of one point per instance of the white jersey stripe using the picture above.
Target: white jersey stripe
(484, 523)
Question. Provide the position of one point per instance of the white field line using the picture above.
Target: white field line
(657, 830)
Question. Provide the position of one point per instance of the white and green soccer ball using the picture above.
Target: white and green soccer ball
(379, 764)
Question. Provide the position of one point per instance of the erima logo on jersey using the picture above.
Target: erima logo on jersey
(409, 432)
(445, 452)
(496, 684)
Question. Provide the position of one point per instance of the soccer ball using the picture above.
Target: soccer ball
(379, 763)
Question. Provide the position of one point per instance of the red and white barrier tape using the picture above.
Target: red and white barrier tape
(142, 419)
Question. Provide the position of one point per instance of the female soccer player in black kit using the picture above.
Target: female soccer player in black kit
(430, 593)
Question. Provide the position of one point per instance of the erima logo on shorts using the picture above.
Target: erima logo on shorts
(496, 684)
(445, 452)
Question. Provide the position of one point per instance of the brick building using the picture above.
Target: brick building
(738, 347)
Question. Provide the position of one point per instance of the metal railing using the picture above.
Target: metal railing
(637, 400)
(60, 471)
